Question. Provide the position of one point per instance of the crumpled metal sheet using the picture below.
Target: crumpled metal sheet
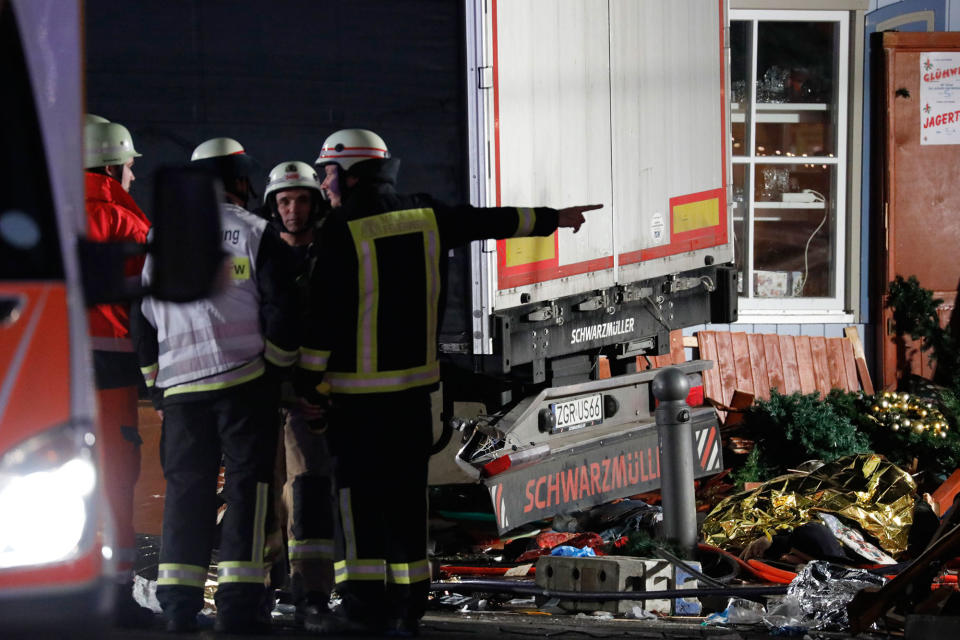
(865, 488)
(823, 591)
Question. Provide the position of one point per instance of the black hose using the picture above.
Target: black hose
(678, 562)
(531, 589)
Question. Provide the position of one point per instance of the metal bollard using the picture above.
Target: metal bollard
(670, 388)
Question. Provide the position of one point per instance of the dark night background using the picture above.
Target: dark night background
(280, 76)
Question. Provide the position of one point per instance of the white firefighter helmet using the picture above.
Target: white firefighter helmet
(347, 147)
(291, 175)
(92, 118)
(216, 148)
(224, 156)
(106, 144)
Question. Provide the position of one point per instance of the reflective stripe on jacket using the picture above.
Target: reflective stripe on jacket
(374, 306)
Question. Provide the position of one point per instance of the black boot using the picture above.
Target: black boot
(127, 613)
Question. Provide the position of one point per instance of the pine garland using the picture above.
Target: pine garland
(915, 313)
(790, 429)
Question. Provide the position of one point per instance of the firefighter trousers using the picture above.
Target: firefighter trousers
(238, 425)
(120, 442)
(381, 446)
(308, 501)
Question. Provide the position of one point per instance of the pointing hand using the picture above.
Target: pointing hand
(573, 216)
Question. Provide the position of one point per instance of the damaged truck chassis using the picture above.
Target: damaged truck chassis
(586, 112)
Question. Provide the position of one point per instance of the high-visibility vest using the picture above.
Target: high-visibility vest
(215, 342)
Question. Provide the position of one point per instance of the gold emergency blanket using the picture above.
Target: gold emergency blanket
(864, 488)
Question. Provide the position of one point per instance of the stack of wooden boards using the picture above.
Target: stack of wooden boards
(749, 365)
(755, 363)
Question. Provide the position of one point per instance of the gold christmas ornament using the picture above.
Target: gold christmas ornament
(901, 409)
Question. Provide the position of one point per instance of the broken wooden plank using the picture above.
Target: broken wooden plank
(861, 359)
(741, 362)
(725, 360)
(603, 368)
(808, 382)
(850, 366)
(821, 367)
(771, 349)
(707, 344)
(791, 370)
(657, 362)
(677, 354)
(741, 400)
(758, 364)
(838, 373)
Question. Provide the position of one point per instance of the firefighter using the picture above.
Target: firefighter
(211, 365)
(293, 198)
(113, 216)
(372, 337)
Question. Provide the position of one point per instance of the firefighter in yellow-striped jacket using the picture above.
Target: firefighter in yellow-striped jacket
(212, 365)
(372, 336)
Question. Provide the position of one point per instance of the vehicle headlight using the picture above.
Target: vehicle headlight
(47, 488)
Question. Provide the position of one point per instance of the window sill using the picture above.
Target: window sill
(764, 316)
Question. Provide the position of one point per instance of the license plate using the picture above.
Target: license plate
(579, 412)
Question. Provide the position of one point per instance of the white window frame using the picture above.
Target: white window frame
(797, 310)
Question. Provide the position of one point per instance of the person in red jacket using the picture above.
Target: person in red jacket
(113, 216)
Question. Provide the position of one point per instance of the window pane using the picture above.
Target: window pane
(740, 89)
(793, 234)
(795, 88)
(799, 131)
(796, 61)
(740, 203)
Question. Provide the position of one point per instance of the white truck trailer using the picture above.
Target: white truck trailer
(621, 102)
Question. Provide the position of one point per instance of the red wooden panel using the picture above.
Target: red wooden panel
(849, 366)
(838, 373)
(642, 363)
(771, 350)
(661, 361)
(808, 383)
(725, 359)
(677, 354)
(864, 375)
(791, 371)
(821, 366)
(707, 344)
(741, 361)
(760, 366)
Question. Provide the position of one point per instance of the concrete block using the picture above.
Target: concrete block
(617, 574)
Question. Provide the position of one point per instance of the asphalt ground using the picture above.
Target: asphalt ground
(518, 623)
(456, 626)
